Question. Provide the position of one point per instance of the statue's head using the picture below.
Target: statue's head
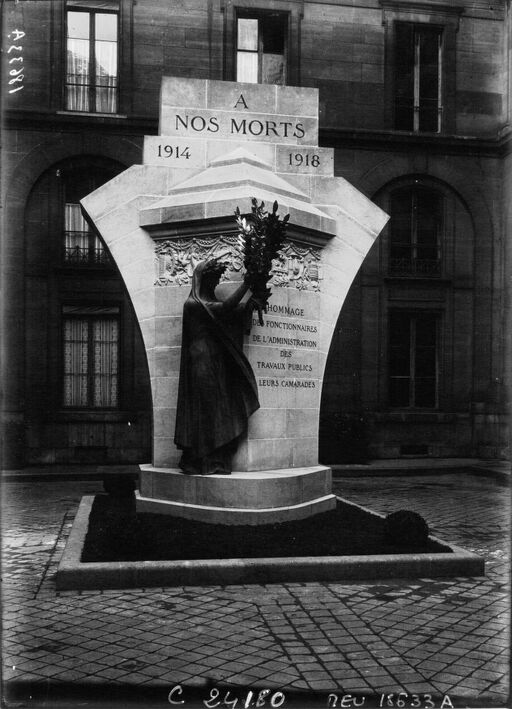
(214, 267)
(207, 276)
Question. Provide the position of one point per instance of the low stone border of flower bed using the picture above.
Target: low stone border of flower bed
(73, 574)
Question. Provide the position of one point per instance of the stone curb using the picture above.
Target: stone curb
(73, 574)
(339, 471)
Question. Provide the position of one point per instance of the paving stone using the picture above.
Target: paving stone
(431, 635)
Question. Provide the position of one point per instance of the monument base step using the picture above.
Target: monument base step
(238, 516)
(262, 497)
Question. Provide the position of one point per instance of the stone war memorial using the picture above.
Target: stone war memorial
(170, 227)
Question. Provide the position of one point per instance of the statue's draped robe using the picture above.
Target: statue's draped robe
(217, 389)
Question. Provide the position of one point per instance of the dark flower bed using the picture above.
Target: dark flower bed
(116, 533)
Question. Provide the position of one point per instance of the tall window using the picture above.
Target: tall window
(261, 48)
(81, 245)
(91, 356)
(418, 55)
(91, 57)
(413, 368)
(415, 232)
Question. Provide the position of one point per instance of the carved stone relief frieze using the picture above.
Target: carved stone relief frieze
(297, 266)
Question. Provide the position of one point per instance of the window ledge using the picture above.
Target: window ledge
(418, 417)
(89, 114)
(433, 280)
(85, 264)
(387, 140)
(95, 415)
(83, 268)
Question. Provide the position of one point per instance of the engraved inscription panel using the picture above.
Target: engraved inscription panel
(170, 151)
(309, 160)
(266, 127)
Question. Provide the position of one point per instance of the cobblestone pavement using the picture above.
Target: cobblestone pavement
(425, 637)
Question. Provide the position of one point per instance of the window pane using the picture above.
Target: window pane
(247, 67)
(413, 360)
(106, 63)
(425, 393)
(429, 64)
(77, 75)
(106, 100)
(76, 234)
(272, 69)
(106, 77)
(404, 76)
(429, 116)
(425, 362)
(399, 358)
(273, 33)
(78, 61)
(415, 229)
(105, 347)
(76, 336)
(247, 36)
(106, 27)
(428, 88)
(426, 331)
(78, 25)
(80, 245)
(399, 392)
(428, 216)
(399, 362)
(99, 253)
(73, 219)
(399, 330)
(401, 216)
(79, 371)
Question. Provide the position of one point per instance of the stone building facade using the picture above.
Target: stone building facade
(415, 99)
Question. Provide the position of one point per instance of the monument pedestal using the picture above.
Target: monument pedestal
(261, 497)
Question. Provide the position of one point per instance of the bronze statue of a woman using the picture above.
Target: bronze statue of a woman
(217, 389)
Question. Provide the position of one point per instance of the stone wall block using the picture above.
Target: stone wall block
(165, 453)
(165, 389)
(301, 423)
(168, 330)
(268, 423)
(259, 98)
(269, 453)
(176, 91)
(166, 361)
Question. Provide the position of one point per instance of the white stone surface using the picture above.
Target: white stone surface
(261, 497)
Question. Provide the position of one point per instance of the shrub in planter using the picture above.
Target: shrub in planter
(405, 527)
(116, 520)
(122, 530)
(121, 493)
(119, 486)
(344, 438)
